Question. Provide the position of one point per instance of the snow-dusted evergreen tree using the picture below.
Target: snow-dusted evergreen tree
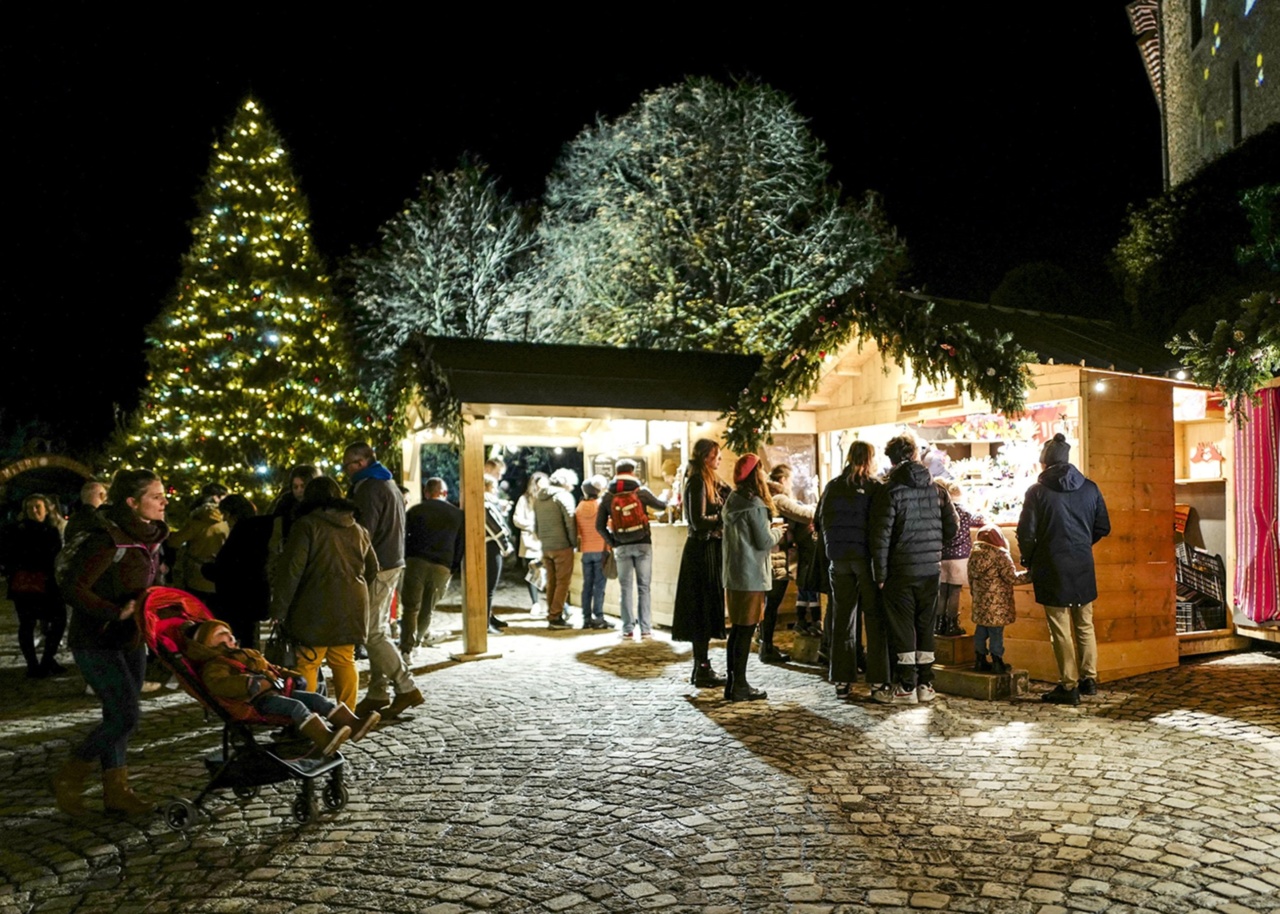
(703, 218)
(247, 374)
(448, 264)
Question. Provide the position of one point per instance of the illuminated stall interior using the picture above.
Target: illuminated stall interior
(1110, 396)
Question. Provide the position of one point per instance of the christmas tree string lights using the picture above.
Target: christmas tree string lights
(247, 374)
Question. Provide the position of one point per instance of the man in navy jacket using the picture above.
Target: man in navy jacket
(1063, 515)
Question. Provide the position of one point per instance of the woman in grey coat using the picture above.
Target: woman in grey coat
(748, 577)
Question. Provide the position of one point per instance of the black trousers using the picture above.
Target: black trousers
(855, 598)
(911, 608)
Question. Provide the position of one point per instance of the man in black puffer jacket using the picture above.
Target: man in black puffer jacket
(910, 520)
(1063, 515)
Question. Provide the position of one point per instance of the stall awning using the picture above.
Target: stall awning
(543, 375)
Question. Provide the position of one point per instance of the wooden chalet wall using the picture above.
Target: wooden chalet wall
(1127, 448)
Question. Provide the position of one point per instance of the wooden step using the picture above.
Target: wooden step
(969, 683)
(953, 650)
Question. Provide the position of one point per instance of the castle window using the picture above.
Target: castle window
(1260, 80)
(1248, 6)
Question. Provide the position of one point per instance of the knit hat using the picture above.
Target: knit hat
(745, 466)
(205, 631)
(593, 486)
(1056, 450)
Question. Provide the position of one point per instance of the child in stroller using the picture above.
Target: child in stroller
(239, 676)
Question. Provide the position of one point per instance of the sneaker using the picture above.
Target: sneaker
(559, 623)
(150, 685)
(903, 696)
(625, 636)
(882, 695)
(1060, 696)
(925, 693)
(646, 636)
(1088, 687)
(407, 657)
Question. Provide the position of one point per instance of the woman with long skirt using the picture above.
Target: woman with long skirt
(749, 538)
(698, 614)
(842, 521)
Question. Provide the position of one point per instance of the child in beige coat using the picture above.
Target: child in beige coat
(992, 577)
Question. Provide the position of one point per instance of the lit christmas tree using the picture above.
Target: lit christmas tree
(247, 371)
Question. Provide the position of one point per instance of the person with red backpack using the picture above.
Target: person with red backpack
(623, 521)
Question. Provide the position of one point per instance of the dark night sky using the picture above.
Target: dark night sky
(997, 134)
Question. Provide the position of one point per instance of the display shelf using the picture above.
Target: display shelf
(1188, 481)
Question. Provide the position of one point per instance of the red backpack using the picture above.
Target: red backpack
(627, 515)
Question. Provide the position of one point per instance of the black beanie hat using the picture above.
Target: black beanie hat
(1056, 450)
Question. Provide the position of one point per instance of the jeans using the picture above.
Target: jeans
(635, 566)
(984, 635)
(593, 582)
(116, 677)
(493, 570)
(385, 666)
(424, 584)
(298, 706)
(50, 615)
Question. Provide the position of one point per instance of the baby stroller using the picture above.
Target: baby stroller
(243, 765)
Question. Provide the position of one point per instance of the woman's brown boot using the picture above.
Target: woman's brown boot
(68, 786)
(118, 796)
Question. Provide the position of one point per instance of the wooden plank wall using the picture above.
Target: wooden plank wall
(1130, 453)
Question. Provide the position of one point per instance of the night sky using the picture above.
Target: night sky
(997, 134)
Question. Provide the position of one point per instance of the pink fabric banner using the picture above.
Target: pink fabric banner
(1257, 497)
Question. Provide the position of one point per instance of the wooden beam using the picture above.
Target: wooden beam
(475, 613)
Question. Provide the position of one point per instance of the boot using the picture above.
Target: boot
(953, 625)
(981, 665)
(770, 654)
(404, 701)
(118, 796)
(326, 740)
(998, 665)
(738, 689)
(342, 716)
(68, 786)
(369, 703)
(704, 677)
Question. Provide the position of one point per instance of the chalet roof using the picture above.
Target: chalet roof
(542, 374)
(1065, 339)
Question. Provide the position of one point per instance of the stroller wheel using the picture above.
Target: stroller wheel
(335, 795)
(179, 814)
(245, 792)
(304, 810)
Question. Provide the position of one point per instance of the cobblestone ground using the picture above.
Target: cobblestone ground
(580, 774)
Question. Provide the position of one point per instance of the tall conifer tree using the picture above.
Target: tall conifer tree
(247, 372)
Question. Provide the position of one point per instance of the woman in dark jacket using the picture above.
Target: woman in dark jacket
(243, 595)
(110, 573)
(842, 520)
(321, 591)
(27, 553)
(698, 614)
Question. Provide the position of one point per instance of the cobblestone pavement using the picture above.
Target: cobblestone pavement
(579, 774)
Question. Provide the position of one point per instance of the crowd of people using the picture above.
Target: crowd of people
(891, 550)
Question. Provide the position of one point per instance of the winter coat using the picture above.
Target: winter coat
(235, 675)
(910, 520)
(433, 533)
(28, 548)
(321, 593)
(240, 570)
(523, 519)
(380, 510)
(629, 484)
(794, 550)
(1063, 515)
(585, 517)
(553, 519)
(119, 561)
(203, 535)
(844, 518)
(748, 540)
(991, 579)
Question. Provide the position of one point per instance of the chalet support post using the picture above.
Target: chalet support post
(475, 612)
